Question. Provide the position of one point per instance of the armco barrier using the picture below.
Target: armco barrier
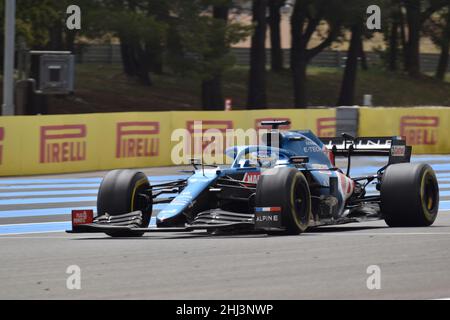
(76, 143)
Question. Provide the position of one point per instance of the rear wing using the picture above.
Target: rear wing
(393, 147)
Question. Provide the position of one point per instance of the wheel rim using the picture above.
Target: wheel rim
(140, 203)
(430, 193)
(300, 203)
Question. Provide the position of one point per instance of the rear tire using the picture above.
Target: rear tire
(409, 195)
(119, 194)
(286, 188)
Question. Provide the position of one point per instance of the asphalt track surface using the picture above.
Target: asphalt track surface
(326, 263)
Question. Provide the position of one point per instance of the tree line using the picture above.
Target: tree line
(192, 38)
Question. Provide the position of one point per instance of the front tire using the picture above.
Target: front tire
(286, 188)
(409, 195)
(120, 193)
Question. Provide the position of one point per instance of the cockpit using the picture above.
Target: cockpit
(257, 157)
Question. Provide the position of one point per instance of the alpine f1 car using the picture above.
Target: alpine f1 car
(275, 190)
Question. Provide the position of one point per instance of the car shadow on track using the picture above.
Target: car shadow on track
(176, 236)
(330, 229)
(204, 235)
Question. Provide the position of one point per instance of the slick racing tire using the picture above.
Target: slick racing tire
(409, 195)
(120, 193)
(286, 188)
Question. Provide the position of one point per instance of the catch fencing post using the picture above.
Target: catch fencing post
(8, 77)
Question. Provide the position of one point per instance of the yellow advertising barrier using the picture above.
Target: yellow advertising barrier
(426, 129)
(133, 140)
(76, 143)
(208, 126)
(11, 145)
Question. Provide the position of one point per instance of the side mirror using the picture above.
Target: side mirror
(195, 163)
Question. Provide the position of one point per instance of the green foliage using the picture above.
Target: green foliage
(200, 43)
(33, 18)
(132, 20)
(438, 27)
(194, 42)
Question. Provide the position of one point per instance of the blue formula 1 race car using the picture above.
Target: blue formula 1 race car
(275, 190)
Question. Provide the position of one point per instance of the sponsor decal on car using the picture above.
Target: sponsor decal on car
(329, 155)
(252, 177)
(268, 209)
(398, 151)
(137, 139)
(347, 185)
(319, 166)
(267, 217)
(420, 130)
(80, 217)
(64, 143)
